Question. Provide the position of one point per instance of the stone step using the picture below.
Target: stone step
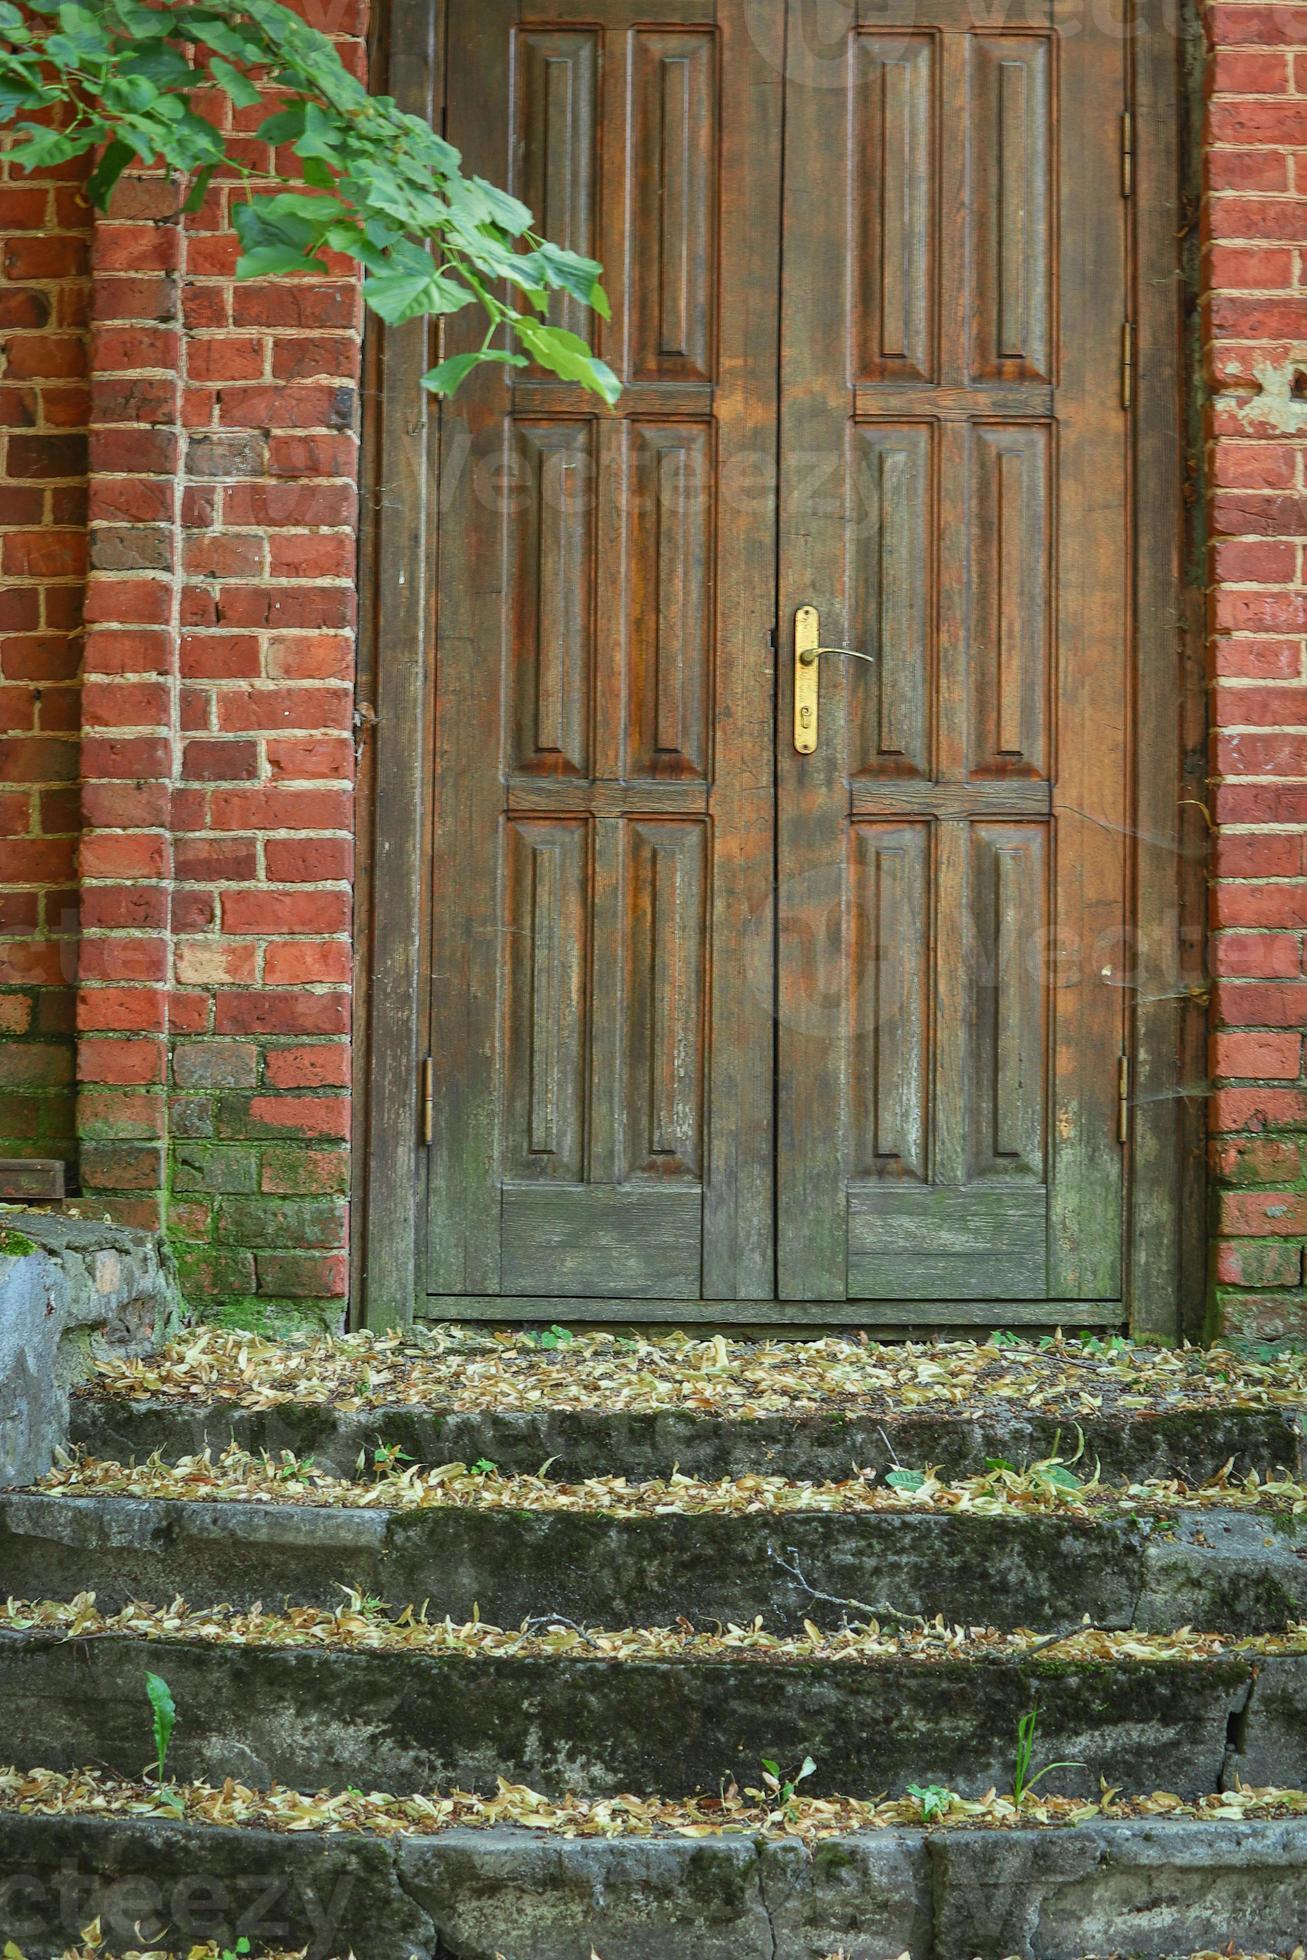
(1222, 1570)
(1192, 1444)
(1151, 1888)
(588, 1726)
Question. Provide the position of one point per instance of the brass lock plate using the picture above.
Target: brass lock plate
(807, 636)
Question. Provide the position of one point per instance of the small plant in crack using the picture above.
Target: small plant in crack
(387, 1458)
(1022, 1781)
(932, 1800)
(779, 1788)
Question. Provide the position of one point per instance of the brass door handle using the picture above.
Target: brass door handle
(807, 653)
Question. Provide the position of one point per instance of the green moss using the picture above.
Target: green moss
(16, 1245)
(245, 1313)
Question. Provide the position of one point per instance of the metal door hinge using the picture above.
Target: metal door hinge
(428, 1100)
(1127, 155)
(1123, 1099)
(1127, 364)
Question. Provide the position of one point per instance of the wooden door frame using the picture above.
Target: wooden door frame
(1165, 1189)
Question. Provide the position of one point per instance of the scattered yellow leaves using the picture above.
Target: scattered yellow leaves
(236, 1475)
(364, 1625)
(475, 1368)
(96, 1793)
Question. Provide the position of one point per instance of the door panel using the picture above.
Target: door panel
(604, 700)
(953, 500)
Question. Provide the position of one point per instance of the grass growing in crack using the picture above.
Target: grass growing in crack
(163, 1720)
(1022, 1781)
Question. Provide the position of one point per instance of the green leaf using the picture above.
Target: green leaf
(199, 189)
(566, 355)
(146, 23)
(504, 209)
(443, 380)
(908, 1480)
(100, 183)
(285, 126)
(271, 261)
(239, 87)
(164, 1716)
(322, 135)
(12, 22)
(399, 296)
(16, 93)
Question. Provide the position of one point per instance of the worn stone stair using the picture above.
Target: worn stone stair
(585, 1713)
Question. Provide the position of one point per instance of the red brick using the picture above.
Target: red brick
(1275, 1214)
(286, 912)
(309, 860)
(325, 1065)
(309, 1116)
(1257, 1056)
(283, 1013)
(122, 1061)
(315, 962)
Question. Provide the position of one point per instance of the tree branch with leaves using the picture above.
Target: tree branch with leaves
(127, 81)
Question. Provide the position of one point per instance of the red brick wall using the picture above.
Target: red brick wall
(44, 239)
(218, 755)
(1255, 260)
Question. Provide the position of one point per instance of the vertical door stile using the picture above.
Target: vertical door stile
(463, 1229)
(739, 1220)
(813, 1035)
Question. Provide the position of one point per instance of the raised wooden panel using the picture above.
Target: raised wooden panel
(672, 249)
(1008, 668)
(1007, 1088)
(669, 627)
(552, 638)
(896, 172)
(891, 549)
(933, 1243)
(602, 1241)
(547, 944)
(889, 995)
(555, 122)
(1013, 147)
(664, 997)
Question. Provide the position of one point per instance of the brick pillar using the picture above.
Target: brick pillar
(130, 745)
(217, 861)
(44, 294)
(1255, 229)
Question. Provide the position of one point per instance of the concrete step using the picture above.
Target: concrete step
(1191, 1444)
(1243, 1571)
(405, 1721)
(1151, 1888)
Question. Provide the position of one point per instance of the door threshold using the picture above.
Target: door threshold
(781, 1315)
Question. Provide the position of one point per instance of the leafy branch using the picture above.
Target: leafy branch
(129, 79)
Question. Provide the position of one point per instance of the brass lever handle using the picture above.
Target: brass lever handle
(807, 652)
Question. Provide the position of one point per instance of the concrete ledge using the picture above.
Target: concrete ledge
(1148, 1889)
(1191, 1444)
(70, 1288)
(407, 1722)
(1219, 1571)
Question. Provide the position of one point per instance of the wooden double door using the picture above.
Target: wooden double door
(712, 1019)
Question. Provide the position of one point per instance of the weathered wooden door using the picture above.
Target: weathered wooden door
(713, 1020)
